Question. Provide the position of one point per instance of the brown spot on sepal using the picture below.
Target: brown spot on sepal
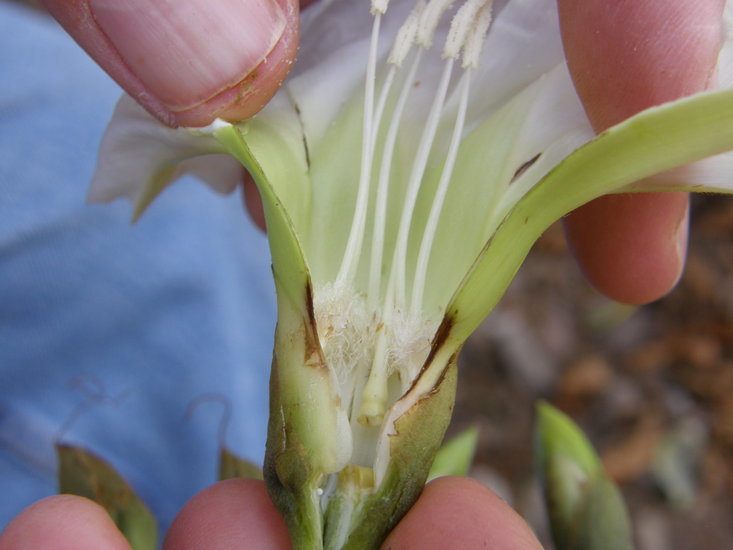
(313, 355)
(524, 167)
(441, 336)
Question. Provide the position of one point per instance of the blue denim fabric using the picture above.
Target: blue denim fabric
(110, 332)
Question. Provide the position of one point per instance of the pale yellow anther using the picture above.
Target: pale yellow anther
(379, 6)
(406, 36)
(461, 27)
(429, 21)
(474, 43)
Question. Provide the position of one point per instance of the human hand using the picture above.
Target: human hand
(624, 57)
(190, 62)
(451, 513)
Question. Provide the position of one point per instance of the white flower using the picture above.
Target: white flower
(406, 167)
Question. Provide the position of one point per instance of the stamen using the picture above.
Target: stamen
(474, 43)
(379, 6)
(380, 210)
(406, 36)
(461, 26)
(429, 21)
(393, 339)
(379, 111)
(426, 245)
(416, 175)
(356, 234)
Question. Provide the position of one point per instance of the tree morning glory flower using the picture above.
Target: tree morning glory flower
(406, 167)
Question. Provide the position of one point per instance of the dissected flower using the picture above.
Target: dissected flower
(406, 167)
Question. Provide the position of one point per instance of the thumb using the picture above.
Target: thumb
(188, 62)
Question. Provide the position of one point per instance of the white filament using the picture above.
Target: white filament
(426, 245)
(416, 175)
(380, 211)
(356, 234)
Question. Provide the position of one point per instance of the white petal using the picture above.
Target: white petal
(332, 58)
(139, 157)
(221, 172)
(522, 45)
(725, 59)
(714, 174)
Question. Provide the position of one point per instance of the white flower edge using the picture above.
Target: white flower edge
(139, 157)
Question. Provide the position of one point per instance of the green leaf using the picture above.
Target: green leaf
(85, 474)
(233, 467)
(584, 507)
(558, 435)
(603, 522)
(456, 455)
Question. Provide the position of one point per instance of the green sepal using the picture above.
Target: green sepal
(456, 456)
(617, 160)
(307, 427)
(84, 474)
(292, 480)
(288, 264)
(584, 506)
(302, 388)
(232, 466)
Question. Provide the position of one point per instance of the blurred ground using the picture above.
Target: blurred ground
(652, 387)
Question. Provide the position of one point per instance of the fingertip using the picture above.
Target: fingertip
(63, 522)
(188, 62)
(631, 247)
(457, 512)
(236, 513)
(627, 56)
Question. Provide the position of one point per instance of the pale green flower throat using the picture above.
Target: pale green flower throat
(373, 331)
